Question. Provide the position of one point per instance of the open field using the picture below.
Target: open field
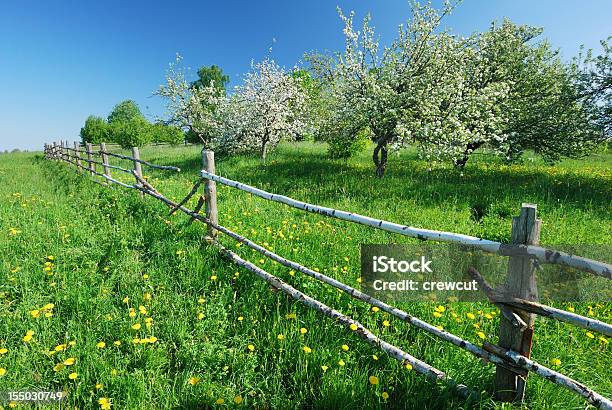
(119, 269)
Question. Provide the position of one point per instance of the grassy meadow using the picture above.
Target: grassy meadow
(105, 296)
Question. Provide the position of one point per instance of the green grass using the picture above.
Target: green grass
(109, 244)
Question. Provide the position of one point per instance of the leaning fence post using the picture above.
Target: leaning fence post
(210, 191)
(520, 282)
(77, 153)
(137, 166)
(105, 161)
(92, 166)
(62, 153)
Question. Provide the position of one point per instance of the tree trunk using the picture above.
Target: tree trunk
(263, 150)
(380, 157)
(471, 147)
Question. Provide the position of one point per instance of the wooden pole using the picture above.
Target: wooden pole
(92, 166)
(520, 283)
(210, 191)
(77, 153)
(137, 166)
(105, 161)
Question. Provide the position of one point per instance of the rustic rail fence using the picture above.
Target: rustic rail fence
(518, 308)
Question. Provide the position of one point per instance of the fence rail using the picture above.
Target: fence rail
(514, 364)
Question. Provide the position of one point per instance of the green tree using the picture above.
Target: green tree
(95, 130)
(134, 133)
(125, 111)
(161, 132)
(213, 74)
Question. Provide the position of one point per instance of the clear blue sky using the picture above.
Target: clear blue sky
(63, 60)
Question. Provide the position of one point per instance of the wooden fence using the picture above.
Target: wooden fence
(518, 307)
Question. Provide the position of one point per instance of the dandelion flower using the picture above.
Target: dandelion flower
(345, 348)
(142, 310)
(341, 363)
(28, 336)
(136, 326)
(385, 395)
(374, 357)
(3, 350)
(2, 371)
(440, 309)
(590, 335)
(555, 362)
(201, 301)
(375, 309)
(251, 347)
(307, 349)
(200, 316)
(471, 316)
(117, 342)
(152, 339)
(35, 313)
(603, 340)
(220, 401)
(437, 314)
(386, 323)
(280, 336)
(373, 380)
(238, 399)
(353, 326)
(571, 309)
(240, 318)
(290, 316)
(105, 403)
(324, 368)
(58, 367)
(99, 386)
(101, 345)
(193, 380)
(303, 330)
(73, 376)
(408, 366)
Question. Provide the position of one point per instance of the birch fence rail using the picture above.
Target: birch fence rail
(518, 307)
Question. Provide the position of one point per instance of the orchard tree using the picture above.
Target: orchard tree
(267, 108)
(194, 109)
(95, 130)
(133, 133)
(125, 111)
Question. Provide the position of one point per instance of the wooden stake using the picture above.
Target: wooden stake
(92, 166)
(520, 283)
(77, 153)
(137, 166)
(210, 191)
(105, 161)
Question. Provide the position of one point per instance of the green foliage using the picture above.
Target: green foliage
(166, 133)
(125, 111)
(135, 133)
(348, 144)
(95, 130)
(213, 74)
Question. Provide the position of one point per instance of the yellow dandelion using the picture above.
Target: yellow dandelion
(193, 380)
(345, 348)
(251, 347)
(324, 368)
(353, 326)
(142, 310)
(69, 361)
(213, 277)
(238, 399)
(132, 313)
(375, 309)
(73, 376)
(280, 336)
(481, 335)
(408, 366)
(290, 316)
(152, 339)
(386, 323)
(3, 350)
(590, 335)
(200, 316)
(58, 367)
(136, 326)
(385, 395)
(28, 336)
(201, 301)
(373, 380)
(341, 363)
(35, 313)
(571, 309)
(303, 330)
(307, 349)
(101, 345)
(471, 316)
(437, 314)
(99, 386)
(555, 362)
(240, 318)
(220, 401)
(117, 342)
(105, 403)
(374, 357)
(2, 371)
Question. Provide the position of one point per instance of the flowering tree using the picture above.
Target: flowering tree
(197, 109)
(268, 107)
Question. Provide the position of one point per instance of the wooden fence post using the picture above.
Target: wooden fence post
(92, 166)
(520, 282)
(77, 152)
(61, 150)
(137, 166)
(107, 171)
(210, 191)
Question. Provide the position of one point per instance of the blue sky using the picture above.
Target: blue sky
(63, 60)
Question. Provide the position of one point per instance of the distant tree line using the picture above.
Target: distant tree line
(126, 126)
